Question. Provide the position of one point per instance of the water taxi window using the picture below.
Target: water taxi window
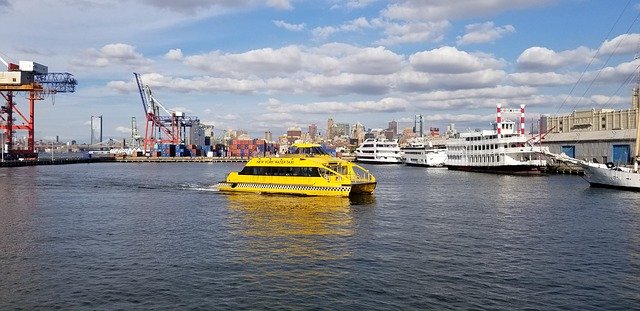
(309, 150)
(280, 171)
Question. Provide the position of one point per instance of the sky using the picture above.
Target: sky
(267, 65)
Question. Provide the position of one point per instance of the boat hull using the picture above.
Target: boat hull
(379, 161)
(524, 170)
(601, 176)
(304, 190)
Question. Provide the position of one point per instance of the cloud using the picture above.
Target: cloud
(290, 27)
(622, 44)
(280, 4)
(123, 129)
(322, 33)
(543, 59)
(333, 107)
(174, 54)
(425, 10)
(352, 4)
(411, 32)
(483, 33)
(116, 54)
(543, 78)
(449, 59)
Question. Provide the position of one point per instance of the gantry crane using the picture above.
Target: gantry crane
(160, 129)
(36, 80)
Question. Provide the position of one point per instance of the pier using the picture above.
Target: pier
(14, 163)
(179, 159)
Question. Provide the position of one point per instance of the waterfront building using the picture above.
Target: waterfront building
(418, 123)
(602, 135)
(393, 128)
(268, 136)
(294, 133)
(358, 133)
(342, 129)
(330, 128)
(313, 132)
(96, 129)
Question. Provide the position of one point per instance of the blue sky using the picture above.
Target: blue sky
(266, 65)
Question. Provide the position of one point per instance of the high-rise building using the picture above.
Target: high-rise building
(330, 128)
(418, 125)
(268, 136)
(393, 127)
(96, 129)
(358, 132)
(313, 132)
(342, 129)
(293, 133)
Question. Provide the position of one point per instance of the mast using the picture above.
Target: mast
(636, 102)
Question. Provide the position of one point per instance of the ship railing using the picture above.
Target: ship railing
(340, 174)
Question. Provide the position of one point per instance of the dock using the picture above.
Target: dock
(16, 163)
(564, 168)
(180, 159)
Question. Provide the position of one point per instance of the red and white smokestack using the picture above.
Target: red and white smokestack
(499, 119)
(522, 119)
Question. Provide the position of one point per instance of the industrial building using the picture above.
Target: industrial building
(603, 135)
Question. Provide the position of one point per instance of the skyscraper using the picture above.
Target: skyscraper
(313, 131)
(330, 128)
(96, 129)
(393, 127)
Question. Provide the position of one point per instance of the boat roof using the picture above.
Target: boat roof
(305, 145)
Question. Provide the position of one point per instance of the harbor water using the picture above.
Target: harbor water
(158, 236)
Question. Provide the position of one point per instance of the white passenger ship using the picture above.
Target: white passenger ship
(502, 150)
(379, 151)
(421, 153)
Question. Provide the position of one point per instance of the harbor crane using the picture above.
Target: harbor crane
(35, 80)
(161, 129)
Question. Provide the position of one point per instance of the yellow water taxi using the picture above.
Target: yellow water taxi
(306, 170)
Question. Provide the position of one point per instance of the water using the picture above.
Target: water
(157, 236)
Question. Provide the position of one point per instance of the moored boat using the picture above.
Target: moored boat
(306, 170)
(501, 150)
(381, 151)
(419, 153)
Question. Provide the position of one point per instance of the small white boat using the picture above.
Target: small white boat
(382, 151)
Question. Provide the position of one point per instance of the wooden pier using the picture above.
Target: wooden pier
(564, 168)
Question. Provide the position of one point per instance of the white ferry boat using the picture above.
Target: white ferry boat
(502, 150)
(419, 153)
(379, 151)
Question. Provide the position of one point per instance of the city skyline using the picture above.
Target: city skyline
(268, 65)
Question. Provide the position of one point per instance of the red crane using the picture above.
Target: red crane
(34, 79)
(161, 129)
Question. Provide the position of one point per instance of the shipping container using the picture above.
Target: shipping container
(33, 67)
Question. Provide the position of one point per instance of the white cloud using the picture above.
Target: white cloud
(543, 59)
(115, 54)
(449, 59)
(543, 78)
(483, 33)
(280, 4)
(322, 33)
(123, 129)
(290, 27)
(622, 44)
(425, 10)
(174, 54)
(411, 32)
(383, 105)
